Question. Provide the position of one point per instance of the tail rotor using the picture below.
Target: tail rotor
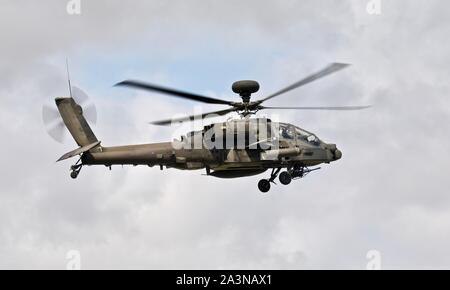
(53, 122)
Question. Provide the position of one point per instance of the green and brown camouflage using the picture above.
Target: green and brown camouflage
(231, 149)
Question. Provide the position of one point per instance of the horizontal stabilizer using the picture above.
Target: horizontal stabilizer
(78, 151)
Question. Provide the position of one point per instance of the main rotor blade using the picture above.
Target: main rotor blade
(331, 68)
(193, 117)
(172, 92)
(340, 108)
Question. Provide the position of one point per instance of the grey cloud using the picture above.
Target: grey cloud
(387, 193)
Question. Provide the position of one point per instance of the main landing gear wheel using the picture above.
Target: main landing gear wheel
(264, 185)
(285, 178)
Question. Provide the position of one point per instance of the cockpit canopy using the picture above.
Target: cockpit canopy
(291, 132)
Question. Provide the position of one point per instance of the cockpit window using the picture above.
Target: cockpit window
(306, 136)
(286, 131)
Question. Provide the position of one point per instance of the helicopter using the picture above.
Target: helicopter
(235, 148)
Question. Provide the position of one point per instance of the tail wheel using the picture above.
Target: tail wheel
(285, 178)
(74, 174)
(264, 185)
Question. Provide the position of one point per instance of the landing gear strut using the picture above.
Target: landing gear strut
(295, 172)
(75, 169)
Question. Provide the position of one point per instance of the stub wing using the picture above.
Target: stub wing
(78, 151)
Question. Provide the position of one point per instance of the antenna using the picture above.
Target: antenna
(68, 77)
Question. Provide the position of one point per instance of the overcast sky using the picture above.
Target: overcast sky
(389, 192)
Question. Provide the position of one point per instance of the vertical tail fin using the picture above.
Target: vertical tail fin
(72, 115)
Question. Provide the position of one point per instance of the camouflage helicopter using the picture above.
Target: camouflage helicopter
(236, 148)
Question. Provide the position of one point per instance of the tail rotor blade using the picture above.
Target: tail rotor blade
(79, 96)
(49, 115)
(57, 131)
(90, 113)
(82, 99)
(53, 122)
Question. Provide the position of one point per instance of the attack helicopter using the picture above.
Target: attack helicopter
(235, 148)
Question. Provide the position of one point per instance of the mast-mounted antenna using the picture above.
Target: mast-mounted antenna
(68, 77)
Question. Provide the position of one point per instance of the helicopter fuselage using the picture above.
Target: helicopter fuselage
(243, 150)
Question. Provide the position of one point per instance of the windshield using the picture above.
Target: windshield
(306, 136)
(291, 132)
